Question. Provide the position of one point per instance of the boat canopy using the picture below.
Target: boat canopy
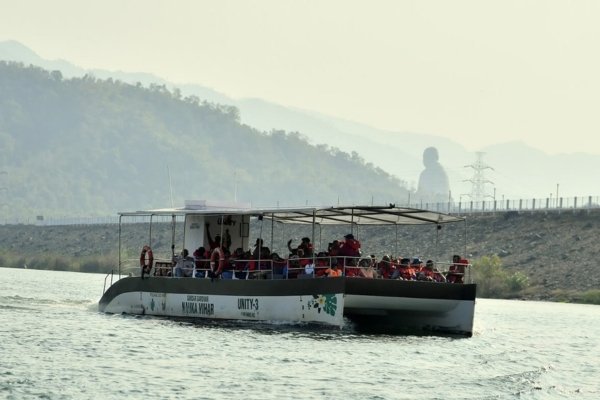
(359, 215)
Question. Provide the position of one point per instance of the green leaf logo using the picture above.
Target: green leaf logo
(325, 302)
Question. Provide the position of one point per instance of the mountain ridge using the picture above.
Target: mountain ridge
(398, 153)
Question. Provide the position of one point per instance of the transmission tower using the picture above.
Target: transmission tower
(478, 180)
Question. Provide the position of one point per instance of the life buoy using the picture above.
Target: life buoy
(217, 261)
(146, 259)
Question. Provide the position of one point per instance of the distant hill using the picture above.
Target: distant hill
(86, 146)
(519, 171)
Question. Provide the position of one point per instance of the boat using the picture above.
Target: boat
(269, 288)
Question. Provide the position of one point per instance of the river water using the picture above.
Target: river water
(54, 344)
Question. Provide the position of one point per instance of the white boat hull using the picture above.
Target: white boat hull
(371, 304)
(324, 309)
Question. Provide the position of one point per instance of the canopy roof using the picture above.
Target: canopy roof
(360, 215)
(367, 215)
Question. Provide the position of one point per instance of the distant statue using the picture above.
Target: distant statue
(433, 181)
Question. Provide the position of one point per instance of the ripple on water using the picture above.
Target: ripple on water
(55, 344)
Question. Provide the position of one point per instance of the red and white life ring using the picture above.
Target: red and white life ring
(146, 259)
(217, 261)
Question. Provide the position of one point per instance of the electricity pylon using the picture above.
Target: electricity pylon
(478, 180)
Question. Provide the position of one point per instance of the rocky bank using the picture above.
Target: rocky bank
(557, 251)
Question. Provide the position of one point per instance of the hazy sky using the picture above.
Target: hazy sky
(479, 72)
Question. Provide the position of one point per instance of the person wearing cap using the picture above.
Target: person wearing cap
(417, 265)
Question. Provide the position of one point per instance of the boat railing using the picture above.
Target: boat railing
(111, 280)
(129, 267)
(462, 271)
(293, 267)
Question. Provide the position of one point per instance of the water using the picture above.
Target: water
(55, 345)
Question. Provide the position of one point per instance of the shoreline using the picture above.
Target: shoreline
(557, 252)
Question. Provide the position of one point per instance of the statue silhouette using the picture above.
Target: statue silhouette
(433, 181)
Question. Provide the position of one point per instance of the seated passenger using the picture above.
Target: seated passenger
(333, 271)
(242, 263)
(417, 265)
(426, 273)
(385, 267)
(200, 262)
(278, 264)
(404, 271)
(184, 265)
(366, 269)
(293, 267)
(309, 268)
(437, 275)
(322, 263)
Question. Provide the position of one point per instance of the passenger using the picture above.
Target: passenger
(350, 250)
(396, 267)
(375, 264)
(278, 264)
(213, 244)
(293, 267)
(243, 264)
(417, 265)
(456, 272)
(237, 264)
(322, 263)
(305, 245)
(333, 250)
(426, 273)
(263, 253)
(184, 266)
(200, 262)
(333, 271)
(437, 275)
(404, 271)
(304, 261)
(385, 267)
(227, 241)
(309, 266)
(367, 269)
(228, 266)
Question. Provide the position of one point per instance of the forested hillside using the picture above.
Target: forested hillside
(87, 147)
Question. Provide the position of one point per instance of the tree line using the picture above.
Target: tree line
(86, 147)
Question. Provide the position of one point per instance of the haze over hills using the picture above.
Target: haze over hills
(518, 171)
(90, 147)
